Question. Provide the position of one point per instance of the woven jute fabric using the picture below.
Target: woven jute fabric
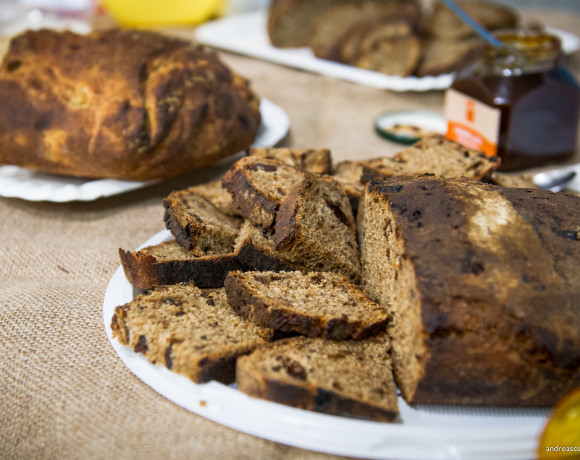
(64, 393)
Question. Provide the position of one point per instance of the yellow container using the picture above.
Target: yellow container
(135, 13)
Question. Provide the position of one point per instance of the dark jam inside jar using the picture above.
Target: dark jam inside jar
(538, 100)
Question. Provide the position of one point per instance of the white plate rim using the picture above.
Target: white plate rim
(223, 34)
(18, 182)
(309, 430)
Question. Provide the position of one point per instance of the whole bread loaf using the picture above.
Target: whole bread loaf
(121, 104)
(483, 285)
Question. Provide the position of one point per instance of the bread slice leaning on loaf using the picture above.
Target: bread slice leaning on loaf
(483, 285)
(348, 378)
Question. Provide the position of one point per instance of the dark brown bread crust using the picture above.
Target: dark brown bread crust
(277, 315)
(168, 106)
(145, 270)
(497, 285)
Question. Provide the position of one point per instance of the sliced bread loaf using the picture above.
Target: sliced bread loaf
(348, 378)
(433, 155)
(313, 304)
(169, 263)
(198, 225)
(317, 161)
(315, 227)
(483, 285)
(190, 331)
(258, 185)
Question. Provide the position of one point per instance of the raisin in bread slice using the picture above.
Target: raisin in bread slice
(198, 225)
(315, 226)
(169, 263)
(313, 304)
(483, 284)
(190, 331)
(433, 155)
(258, 185)
(346, 378)
(316, 161)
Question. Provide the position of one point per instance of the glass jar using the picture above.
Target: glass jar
(517, 102)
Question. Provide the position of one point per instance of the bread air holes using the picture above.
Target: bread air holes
(13, 66)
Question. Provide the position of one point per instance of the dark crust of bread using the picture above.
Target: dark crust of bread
(145, 270)
(168, 106)
(251, 257)
(500, 314)
(268, 314)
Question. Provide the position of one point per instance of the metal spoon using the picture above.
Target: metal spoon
(555, 180)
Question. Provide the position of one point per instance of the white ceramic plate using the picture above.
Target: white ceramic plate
(246, 34)
(17, 182)
(441, 432)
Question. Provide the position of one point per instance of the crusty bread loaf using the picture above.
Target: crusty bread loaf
(169, 263)
(434, 155)
(483, 286)
(348, 378)
(190, 331)
(444, 23)
(198, 225)
(316, 161)
(315, 227)
(315, 304)
(124, 104)
(258, 185)
(442, 56)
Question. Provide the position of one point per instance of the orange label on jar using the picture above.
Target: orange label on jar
(471, 122)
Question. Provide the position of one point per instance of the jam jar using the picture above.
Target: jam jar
(516, 101)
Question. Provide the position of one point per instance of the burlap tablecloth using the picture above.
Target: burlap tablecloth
(64, 393)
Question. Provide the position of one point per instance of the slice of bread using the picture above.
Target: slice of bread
(169, 263)
(329, 28)
(347, 378)
(218, 196)
(316, 227)
(290, 21)
(444, 23)
(313, 304)
(348, 174)
(442, 56)
(258, 185)
(190, 331)
(397, 56)
(255, 250)
(433, 155)
(198, 225)
(316, 161)
(482, 283)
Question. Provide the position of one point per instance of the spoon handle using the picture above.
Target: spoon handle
(481, 31)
